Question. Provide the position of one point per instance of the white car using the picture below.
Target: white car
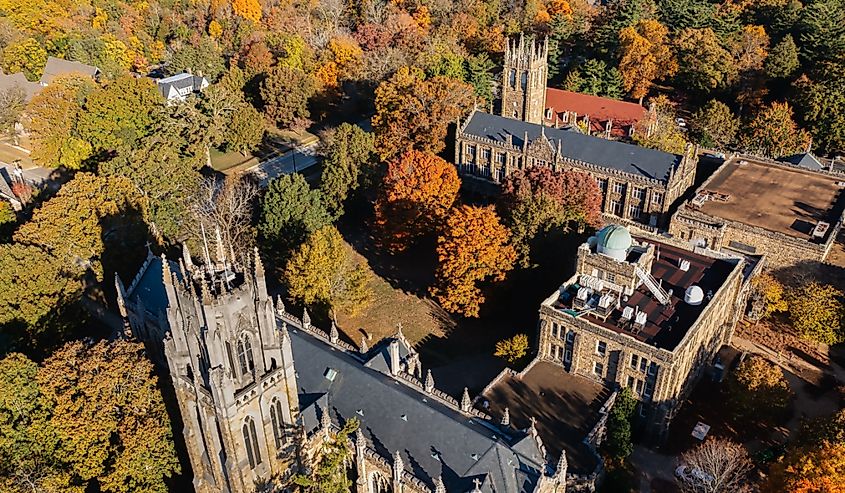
(693, 475)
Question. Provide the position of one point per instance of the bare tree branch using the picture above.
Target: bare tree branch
(715, 466)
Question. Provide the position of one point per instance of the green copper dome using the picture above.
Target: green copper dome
(614, 240)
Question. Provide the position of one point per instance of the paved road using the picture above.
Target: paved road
(292, 161)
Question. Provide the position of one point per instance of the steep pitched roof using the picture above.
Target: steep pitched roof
(649, 163)
(804, 160)
(180, 82)
(432, 438)
(598, 109)
(56, 67)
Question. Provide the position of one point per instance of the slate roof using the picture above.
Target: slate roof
(622, 113)
(180, 81)
(30, 89)
(649, 163)
(804, 160)
(150, 288)
(432, 438)
(56, 67)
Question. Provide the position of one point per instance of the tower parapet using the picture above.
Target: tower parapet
(524, 79)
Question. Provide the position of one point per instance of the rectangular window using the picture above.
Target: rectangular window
(630, 382)
(619, 188)
(485, 155)
(649, 388)
(638, 193)
(512, 78)
(570, 337)
(601, 348)
(657, 198)
(500, 174)
(602, 183)
(635, 211)
(610, 277)
(616, 208)
(523, 80)
(639, 386)
(500, 158)
(652, 368)
(471, 152)
(598, 369)
(634, 360)
(643, 363)
(567, 356)
(642, 410)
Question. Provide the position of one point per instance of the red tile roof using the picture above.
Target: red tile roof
(599, 109)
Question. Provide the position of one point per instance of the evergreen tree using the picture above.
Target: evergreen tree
(331, 473)
(783, 59)
(290, 211)
(348, 153)
(618, 443)
(478, 75)
(821, 106)
(822, 31)
(686, 14)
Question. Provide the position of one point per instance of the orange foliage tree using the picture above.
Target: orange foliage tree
(418, 190)
(646, 56)
(473, 248)
(414, 113)
(248, 9)
(811, 469)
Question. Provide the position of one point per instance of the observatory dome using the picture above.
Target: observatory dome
(614, 241)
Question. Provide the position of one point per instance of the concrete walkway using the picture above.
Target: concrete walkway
(651, 466)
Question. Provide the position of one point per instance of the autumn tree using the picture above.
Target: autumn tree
(119, 114)
(783, 60)
(414, 113)
(27, 56)
(322, 270)
(817, 312)
(538, 200)
(35, 288)
(513, 349)
(248, 9)
(774, 133)
(645, 56)
(474, 247)
(12, 105)
(703, 64)
(751, 48)
(659, 129)
(715, 125)
(291, 211)
(725, 463)
(109, 416)
(767, 296)
(30, 446)
(72, 224)
(417, 191)
(618, 443)
(618, 15)
(759, 387)
(815, 461)
(285, 94)
(53, 116)
(348, 155)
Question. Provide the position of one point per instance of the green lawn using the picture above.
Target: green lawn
(228, 162)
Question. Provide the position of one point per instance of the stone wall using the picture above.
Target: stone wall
(780, 250)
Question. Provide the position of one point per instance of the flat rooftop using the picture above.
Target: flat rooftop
(565, 406)
(783, 199)
(666, 325)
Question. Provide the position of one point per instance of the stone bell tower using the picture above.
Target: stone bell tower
(232, 369)
(524, 79)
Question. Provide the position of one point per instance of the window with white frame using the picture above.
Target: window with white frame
(657, 198)
(634, 361)
(616, 208)
(601, 348)
(639, 386)
(652, 368)
(619, 188)
(638, 193)
(643, 364)
(649, 388)
(598, 369)
(485, 155)
(635, 211)
(567, 355)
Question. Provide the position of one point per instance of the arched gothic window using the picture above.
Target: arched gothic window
(251, 443)
(245, 355)
(379, 483)
(278, 423)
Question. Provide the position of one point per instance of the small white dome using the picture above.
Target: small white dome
(694, 296)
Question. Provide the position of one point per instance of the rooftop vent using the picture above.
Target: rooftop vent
(330, 374)
(627, 313)
(694, 296)
(474, 456)
(683, 265)
(641, 319)
(404, 417)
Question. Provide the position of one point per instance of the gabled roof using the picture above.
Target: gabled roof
(29, 89)
(433, 438)
(598, 109)
(56, 67)
(180, 82)
(804, 160)
(150, 287)
(649, 163)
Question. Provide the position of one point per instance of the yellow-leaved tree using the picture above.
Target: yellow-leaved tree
(322, 270)
(474, 247)
(767, 296)
(248, 9)
(817, 312)
(645, 56)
